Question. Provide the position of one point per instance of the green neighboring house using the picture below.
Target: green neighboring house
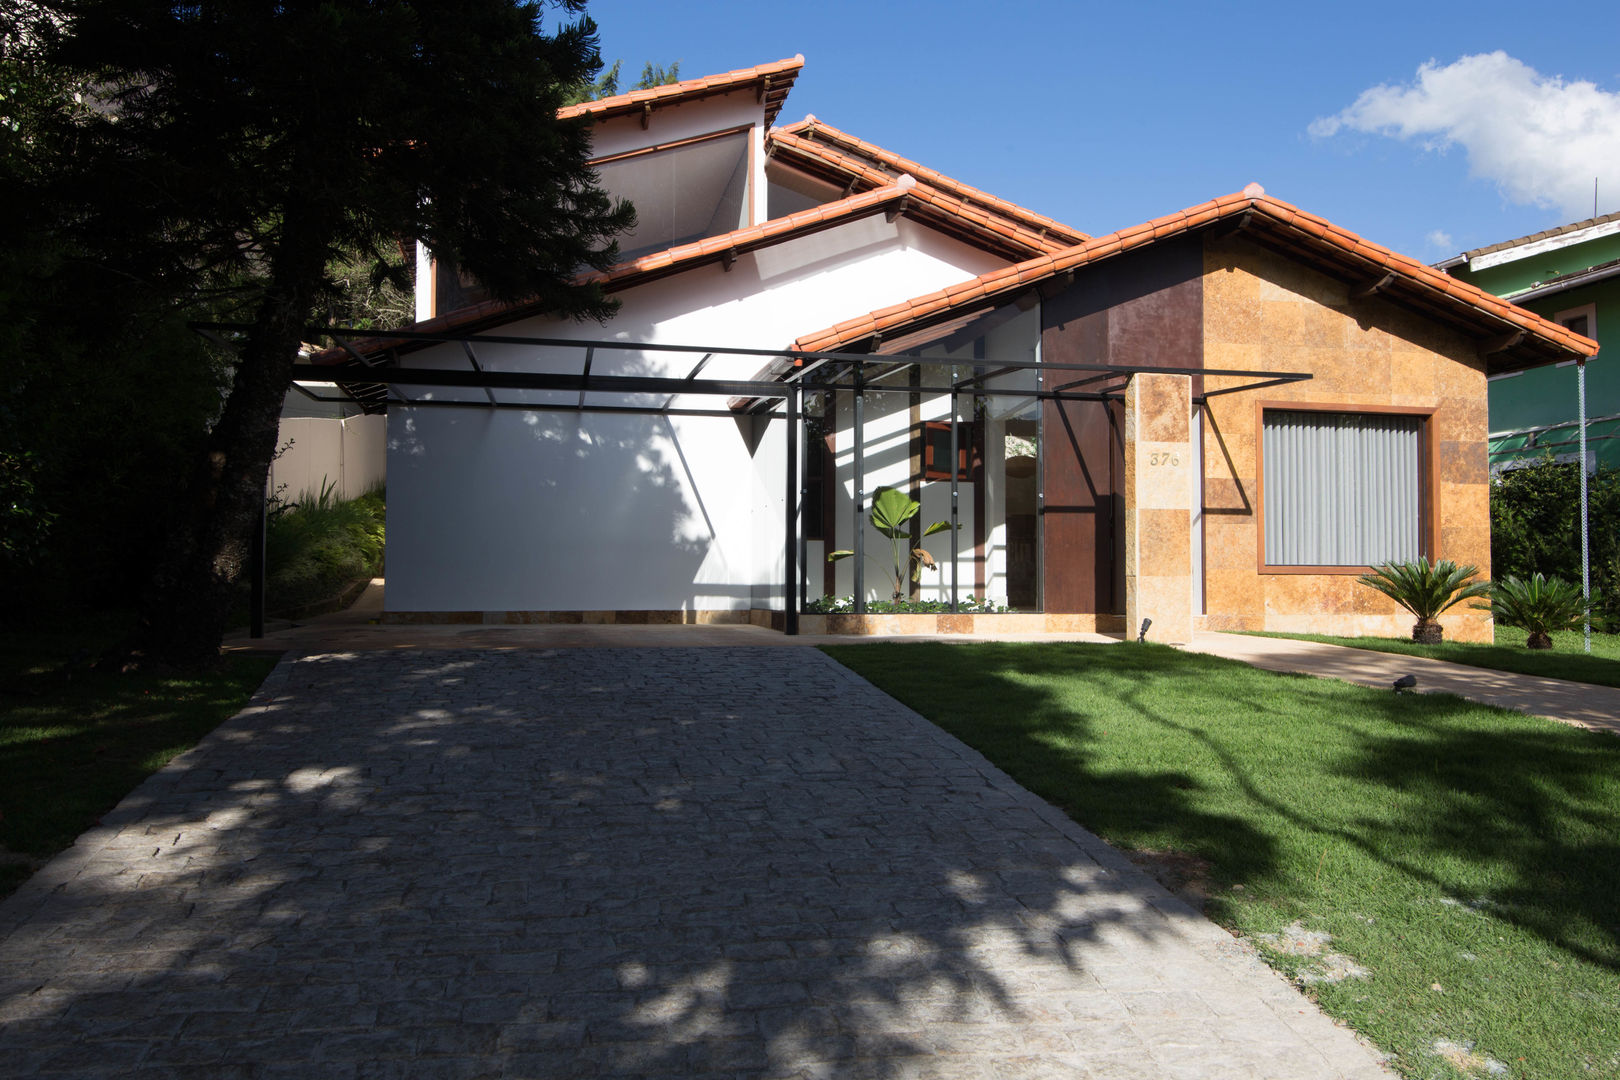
(1570, 275)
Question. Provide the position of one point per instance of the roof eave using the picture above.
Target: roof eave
(773, 82)
(1511, 338)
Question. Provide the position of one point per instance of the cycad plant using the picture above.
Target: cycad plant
(1426, 590)
(1538, 606)
(892, 511)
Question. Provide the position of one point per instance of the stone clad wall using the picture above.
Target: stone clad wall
(1158, 480)
(1264, 311)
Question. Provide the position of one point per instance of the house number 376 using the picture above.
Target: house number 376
(1164, 459)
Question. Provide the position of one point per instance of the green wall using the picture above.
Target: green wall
(1548, 395)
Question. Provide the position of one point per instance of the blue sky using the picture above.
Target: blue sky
(1106, 115)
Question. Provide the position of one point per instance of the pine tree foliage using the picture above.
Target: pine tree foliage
(607, 84)
(233, 151)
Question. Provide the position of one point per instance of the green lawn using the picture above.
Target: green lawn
(1468, 857)
(73, 741)
(1565, 660)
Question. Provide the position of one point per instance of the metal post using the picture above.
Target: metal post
(1040, 482)
(956, 524)
(860, 498)
(1586, 576)
(256, 570)
(804, 491)
(790, 552)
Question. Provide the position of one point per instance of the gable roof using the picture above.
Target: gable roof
(772, 81)
(983, 226)
(1271, 222)
(902, 196)
(838, 148)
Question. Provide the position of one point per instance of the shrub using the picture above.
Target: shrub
(1535, 528)
(966, 605)
(1538, 605)
(1426, 590)
(318, 545)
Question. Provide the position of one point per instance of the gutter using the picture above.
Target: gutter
(1584, 277)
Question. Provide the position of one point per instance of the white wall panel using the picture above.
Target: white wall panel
(557, 511)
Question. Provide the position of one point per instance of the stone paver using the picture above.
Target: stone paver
(616, 862)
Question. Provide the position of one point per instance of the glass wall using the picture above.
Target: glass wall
(948, 483)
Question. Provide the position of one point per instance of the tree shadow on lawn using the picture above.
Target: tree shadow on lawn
(1469, 794)
(553, 864)
(1533, 805)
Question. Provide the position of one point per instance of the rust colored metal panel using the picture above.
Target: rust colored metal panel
(1078, 520)
(1144, 310)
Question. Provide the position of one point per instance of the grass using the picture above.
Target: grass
(1468, 857)
(1565, 660)
(75, 741)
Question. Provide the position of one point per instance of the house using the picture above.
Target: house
(1570, 275)
(1213, 419)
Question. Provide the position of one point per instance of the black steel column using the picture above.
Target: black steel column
(956, 523)
(256, 571)
(1040, 482)
(790, 553)
(860, 498)
(804, 489)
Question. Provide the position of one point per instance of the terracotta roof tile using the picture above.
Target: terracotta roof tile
(1002, 233)
(659, 263)
(752, 236)
(812, 131)
(781, 73)
(988, 287)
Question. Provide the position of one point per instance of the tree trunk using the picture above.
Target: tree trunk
(1427, 632)
(1539, 639)
(189, 602)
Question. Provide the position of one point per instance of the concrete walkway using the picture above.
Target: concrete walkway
(678, 862)
(1582, 704)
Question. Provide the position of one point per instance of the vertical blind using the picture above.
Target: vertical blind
(1341, 489)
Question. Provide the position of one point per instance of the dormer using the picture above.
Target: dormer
(689, 156)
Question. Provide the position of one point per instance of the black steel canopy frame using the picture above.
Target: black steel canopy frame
(373, 379)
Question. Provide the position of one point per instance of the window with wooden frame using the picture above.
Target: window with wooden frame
(936, 451)
(1342, 490)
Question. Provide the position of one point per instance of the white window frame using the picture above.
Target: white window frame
(1590, 311)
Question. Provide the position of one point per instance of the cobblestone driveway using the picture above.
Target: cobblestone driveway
(616, 862)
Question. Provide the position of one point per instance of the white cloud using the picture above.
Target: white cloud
(1439, 239)
(1540, 139)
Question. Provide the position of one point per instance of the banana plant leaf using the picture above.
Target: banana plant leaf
(891, 510)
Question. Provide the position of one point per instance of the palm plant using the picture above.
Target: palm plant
(1537, 606)
(1426, 590)
(892, 511)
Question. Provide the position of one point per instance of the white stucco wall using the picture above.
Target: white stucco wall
(512, 510)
